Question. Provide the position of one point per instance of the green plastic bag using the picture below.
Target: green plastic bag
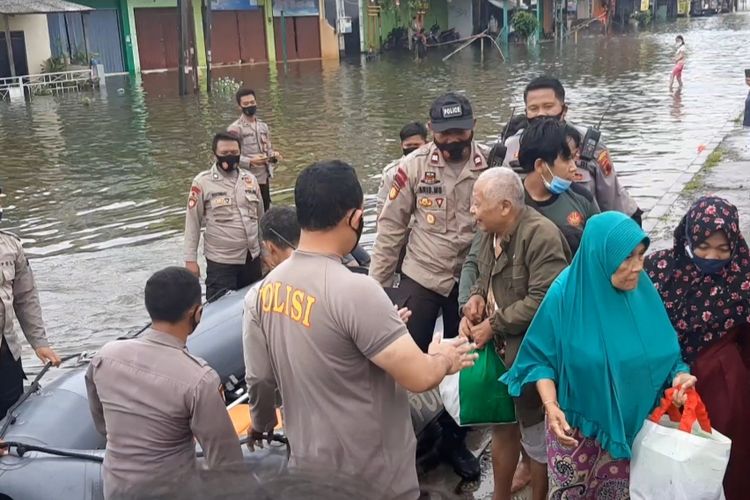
(475, 396)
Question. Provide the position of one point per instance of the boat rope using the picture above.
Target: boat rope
(11, 416)
(23, 448)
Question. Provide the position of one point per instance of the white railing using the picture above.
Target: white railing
(53, 83)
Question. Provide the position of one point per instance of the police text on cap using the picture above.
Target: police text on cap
(452, 111)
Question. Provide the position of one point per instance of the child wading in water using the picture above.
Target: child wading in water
(679, 62)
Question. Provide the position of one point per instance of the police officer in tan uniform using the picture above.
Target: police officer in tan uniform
(545, 96)
(434, 185)
(413, 136)
(258, 154)
(152, 399)
(20, 299)
(227, 200)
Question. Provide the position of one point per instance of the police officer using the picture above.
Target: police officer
(545, 96)
(20, 299)
(150, 397)
(413, 136)
(258, 154)
(228, 201)
(434, 185)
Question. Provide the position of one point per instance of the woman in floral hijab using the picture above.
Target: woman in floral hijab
(704, 281)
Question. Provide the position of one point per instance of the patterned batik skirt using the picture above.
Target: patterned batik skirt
(585, 472)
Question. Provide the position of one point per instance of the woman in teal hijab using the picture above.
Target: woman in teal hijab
(601, 350)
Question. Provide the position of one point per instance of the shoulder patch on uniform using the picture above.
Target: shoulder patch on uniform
(605, 162)
(399, 182)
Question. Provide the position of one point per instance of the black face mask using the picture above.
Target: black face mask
(406, 151)
(231, 161)
(358, 231)
(249, 110)
(455, 150)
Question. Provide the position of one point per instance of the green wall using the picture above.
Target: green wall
(391, 19)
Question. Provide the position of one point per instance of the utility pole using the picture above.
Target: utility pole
(207, 38)
(340, 14)
(283, 39)
(9, 45)
(193, 50)
(182, 32)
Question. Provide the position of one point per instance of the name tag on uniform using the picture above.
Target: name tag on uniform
(221, 201)
(422, 189)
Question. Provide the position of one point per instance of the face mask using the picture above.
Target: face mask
(249, 110)
(707, 266)
(408, 150)
(455, 150)
(231, 162)
(558, 184)
(357, 231)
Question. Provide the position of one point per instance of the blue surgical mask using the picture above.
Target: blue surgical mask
(707, 266)
(558, 185)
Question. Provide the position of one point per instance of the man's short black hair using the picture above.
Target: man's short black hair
(572, 133)
(515, 124)
(680, 38)
(279, 226)
(545, 82)
(242, 93)
(544, 139)
(413, 128)
(324, 192)
(224, 136)
(170, 293)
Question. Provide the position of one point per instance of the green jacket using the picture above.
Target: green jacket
(533, 255)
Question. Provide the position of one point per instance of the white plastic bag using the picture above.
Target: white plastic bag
(670, 464)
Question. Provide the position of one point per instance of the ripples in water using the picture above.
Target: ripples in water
(112, 176)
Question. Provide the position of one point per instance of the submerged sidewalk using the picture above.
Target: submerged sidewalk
(725, 173)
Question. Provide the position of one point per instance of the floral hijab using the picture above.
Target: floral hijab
(703, 307)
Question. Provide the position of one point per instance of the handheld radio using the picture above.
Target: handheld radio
(498, 151)
(591, 139)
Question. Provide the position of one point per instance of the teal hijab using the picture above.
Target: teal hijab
(611, 353)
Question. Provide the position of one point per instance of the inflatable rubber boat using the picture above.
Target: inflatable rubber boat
(59, 451)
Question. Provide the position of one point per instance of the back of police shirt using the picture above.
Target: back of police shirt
(322, 325)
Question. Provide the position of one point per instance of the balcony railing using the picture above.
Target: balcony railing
(48, 83)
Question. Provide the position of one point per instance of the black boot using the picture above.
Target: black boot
(455, 452)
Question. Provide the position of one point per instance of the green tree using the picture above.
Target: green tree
(525, 24)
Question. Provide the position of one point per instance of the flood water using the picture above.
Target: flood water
(96, 184)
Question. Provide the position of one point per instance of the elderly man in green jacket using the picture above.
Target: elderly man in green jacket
(520, 255)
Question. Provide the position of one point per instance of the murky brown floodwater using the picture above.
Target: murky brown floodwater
(97, 188)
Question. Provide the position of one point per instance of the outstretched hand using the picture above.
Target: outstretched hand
(459, 351)
(559, 426)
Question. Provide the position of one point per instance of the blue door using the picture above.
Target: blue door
(88, 35)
